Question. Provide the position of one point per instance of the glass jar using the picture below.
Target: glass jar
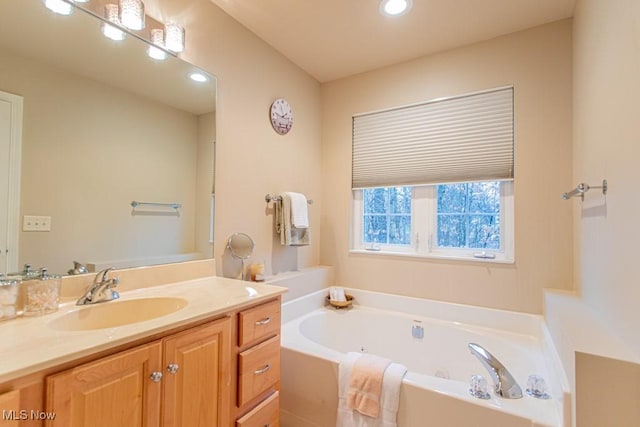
(8, 298)
(41, 295)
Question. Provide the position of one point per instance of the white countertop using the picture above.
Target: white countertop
(30, 344)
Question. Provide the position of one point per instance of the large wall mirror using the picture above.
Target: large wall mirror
(102, 125)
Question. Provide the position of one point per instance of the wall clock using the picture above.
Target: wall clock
(281, 116)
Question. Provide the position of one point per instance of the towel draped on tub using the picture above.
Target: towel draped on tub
(365, 386)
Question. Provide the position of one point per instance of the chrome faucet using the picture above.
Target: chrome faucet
(101, 290)
(504, 384)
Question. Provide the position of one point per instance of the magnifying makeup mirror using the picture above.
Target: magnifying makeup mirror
(241, 247)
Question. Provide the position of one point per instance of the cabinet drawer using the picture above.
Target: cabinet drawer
(258, 322)
(258, 369)
(266, 414)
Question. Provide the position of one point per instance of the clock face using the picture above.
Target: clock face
(281, 116)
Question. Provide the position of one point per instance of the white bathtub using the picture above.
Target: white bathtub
(316, 337)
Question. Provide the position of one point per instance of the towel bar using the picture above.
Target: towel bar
(176, 206)
(269, 198)
(583, 188)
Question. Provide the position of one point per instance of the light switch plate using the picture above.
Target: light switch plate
(36, 223)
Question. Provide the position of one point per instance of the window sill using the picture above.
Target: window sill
(432, 256)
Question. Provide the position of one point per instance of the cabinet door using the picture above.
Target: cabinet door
(114, 391)
(197, 381)
(10, 406)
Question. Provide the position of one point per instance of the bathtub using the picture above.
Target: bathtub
(315, 337)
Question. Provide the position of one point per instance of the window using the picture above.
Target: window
(468, 215)
(387, 216)
(434, 179)
(463, 220)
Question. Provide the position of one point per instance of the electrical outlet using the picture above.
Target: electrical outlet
(36, 223)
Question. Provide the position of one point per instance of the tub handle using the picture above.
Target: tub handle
(263, 370)
(264, 321)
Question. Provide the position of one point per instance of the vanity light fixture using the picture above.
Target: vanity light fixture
(132, 14)
(198, 77)
(157, 38)
(395, 7)
(112, 15)
(173, 37)
(127, 16)
(59, 6)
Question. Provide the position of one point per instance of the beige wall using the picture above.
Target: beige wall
(607, 145)
(251, 159)
(88, 150)
(538, 63)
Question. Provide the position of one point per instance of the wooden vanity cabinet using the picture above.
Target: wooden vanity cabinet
(219, 373)
(181, 380)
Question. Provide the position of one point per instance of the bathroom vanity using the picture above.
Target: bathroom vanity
(214, 361)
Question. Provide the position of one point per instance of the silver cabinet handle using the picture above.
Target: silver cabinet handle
(156, 376)
(263, 370)
(264, 321)
(173, 368)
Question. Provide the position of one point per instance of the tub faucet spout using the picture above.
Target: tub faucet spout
(504, 383)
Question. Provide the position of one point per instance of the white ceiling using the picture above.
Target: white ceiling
(331, 39)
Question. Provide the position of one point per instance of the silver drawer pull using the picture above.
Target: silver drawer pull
(156, 377)
(263, 370)
(264, 321)
(173, 368)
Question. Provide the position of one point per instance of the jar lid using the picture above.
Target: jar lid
(7, 281)
(41, 274)
(46, 276)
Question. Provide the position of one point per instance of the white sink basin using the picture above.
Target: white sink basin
(117, 313)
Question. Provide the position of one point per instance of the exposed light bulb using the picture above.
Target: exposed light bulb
(112, 32)
(174, 37)
(157, 38)
(395, 7)
(58, 6)
(112, 15)
(132, 14)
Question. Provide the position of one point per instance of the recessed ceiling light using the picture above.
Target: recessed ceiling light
(198, 77)
(395, 7)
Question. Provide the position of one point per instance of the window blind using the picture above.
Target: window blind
(461, 139)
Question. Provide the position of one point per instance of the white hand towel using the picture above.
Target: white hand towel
(299, 210)
(389, 399)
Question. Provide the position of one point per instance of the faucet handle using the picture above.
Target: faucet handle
(537, 387)
(479, 387)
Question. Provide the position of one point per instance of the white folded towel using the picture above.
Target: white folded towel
(299, 210)
(389, 398)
